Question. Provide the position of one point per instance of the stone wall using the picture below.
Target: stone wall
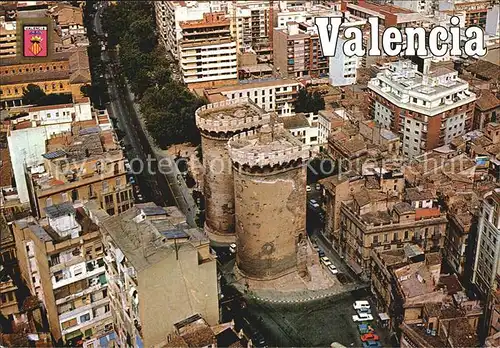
(218, 186)
(270, 217)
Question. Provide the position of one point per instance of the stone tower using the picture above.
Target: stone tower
(217, 123)
(270, 200)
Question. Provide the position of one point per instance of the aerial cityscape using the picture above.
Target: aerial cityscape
(250, 173)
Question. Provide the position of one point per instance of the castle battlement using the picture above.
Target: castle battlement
(230, 116)
(246, 149)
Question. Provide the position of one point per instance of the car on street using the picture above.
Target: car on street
(232, 248)
(326, 261)
(318, 187)
(313, 204)
(139, 197)
(321, 252)
(360, 317)
(364, 328)
(370, 336)
(315, 247)
(362, 304)
(372, 344)
(333, 269)
(308, 188)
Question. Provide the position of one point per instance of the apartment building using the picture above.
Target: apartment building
(252, 26)
(425, 7)
(459, 243)
(425, 110)
(207, 52)
(374, 220)
(388, 15)
(297, 51)
(87, 164)
(475, 11)
(158, 267)
(61, 261)
(487, 264)
(269, 94)
(27, 135)
(169, 15)
(303, 126)
(8, 38)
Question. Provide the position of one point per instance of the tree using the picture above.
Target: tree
(32, 94)
(309, 102)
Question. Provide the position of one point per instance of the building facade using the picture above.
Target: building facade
(62, 264)
(297, 51)
(158, 267)
(426, 111)
(207, 52)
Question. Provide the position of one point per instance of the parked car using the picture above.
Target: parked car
(313, 204)
(315, 247)
(318, 187)
(321, 252)
(308, 188)
(370, 336)
(372, 344)
(139, 197)
(360, 317)
(333, 269)
(326, 261)
(364, 328)
(359, 305)
(232, 248)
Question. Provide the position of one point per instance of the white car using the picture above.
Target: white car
(326, 261)
(308, 188)
(232, 248)
(362, 317)
(333, 269)
(361, 305)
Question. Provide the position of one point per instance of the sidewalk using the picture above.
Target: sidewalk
(299, 296)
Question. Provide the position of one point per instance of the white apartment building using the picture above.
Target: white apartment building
(343, 69)
(208, 52)
(426, 7)
(426, 110)
(28, 134)
(305, 13)
(61, 260)
(169, 15)
(487, 263)
(268, 94)
(303, 126)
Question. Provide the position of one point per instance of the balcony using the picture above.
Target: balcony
(89, 323)
(75, 312)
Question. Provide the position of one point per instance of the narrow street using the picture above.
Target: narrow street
(165, 186)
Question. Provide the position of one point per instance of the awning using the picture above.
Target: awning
(384, 316)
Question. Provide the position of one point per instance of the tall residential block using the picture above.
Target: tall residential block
(270, 201)
(61, 261)
(217, 123)
(160, 272)
(426, 110)
(297, 51)
(207, 52)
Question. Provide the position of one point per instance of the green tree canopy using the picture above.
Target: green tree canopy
(309, 101)
(32, 94)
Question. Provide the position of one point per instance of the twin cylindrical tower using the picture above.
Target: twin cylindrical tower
(218, 122)
(255, 186)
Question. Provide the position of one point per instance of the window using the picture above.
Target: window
(386, 237)
(84, 318)
(78, 271)
(54, 260)
(375, 239)
(395, 236)
(406, 234)
(58, 276)
(48, 202)
(69, 323)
